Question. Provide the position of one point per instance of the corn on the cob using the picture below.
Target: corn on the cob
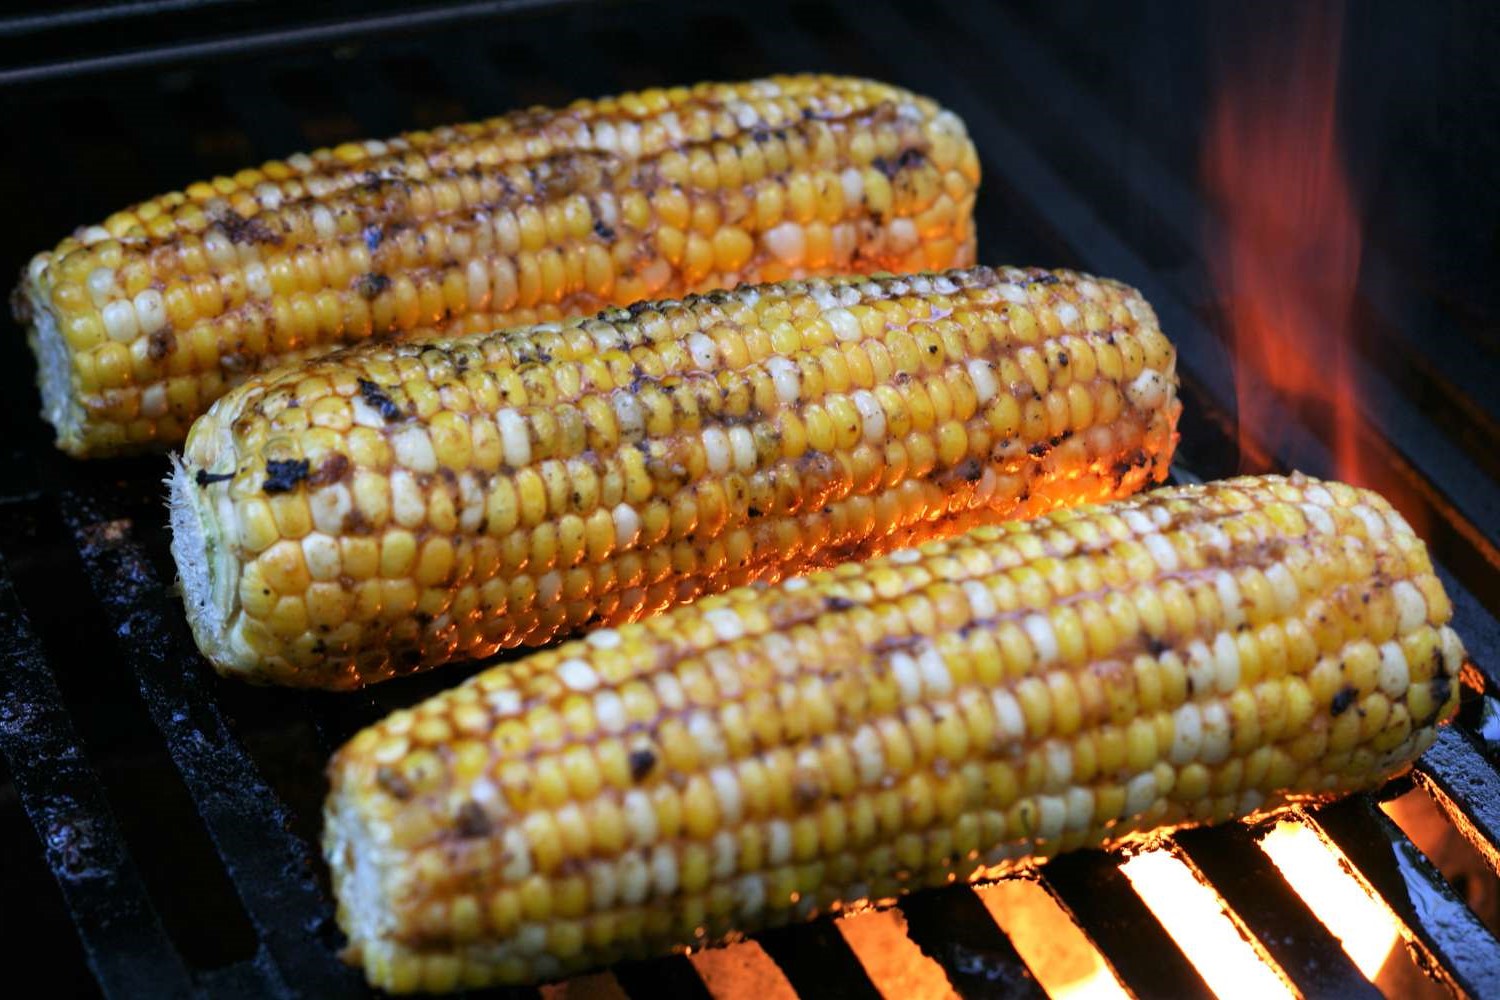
(141, 322)
(397, 506)
(951, 712)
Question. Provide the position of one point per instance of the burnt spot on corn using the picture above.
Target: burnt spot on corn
(160, 344)
(602, 231)
(376, 397)
(1039, 449)
(834, 602)
(471, 821)
(969, 470)
(1343, 699)
(807, 789)
(891, 166)
(370, 284)
(1441, 687)
(203, 477)
(902, 643)
(391, 780)
(333, 469)
(241, 230)
(641, 763)
(373, 235)
(283, 476)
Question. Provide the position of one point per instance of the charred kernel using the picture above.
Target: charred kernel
(283, 476)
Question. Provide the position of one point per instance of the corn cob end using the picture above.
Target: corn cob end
(54, 357)
(206, 571)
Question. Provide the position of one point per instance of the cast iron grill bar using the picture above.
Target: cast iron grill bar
(817, 961)
(127, 948)
(81, 17)
(272, 870)
(1148, 962)
(302, 36)
(1229, 859)
(1445, 936)
(1466, 787)
(952, 927)
(673, 977)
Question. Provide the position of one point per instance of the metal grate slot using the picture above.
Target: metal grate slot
(818, 961)
(1097, 895)
(1312, 958)
(1445, 936)
(61, 793)
(952, 927)
(672, 977)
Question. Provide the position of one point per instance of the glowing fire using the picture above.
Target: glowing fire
(1289, 262)
(1192, 914)
(1065, 963)
(1364, 927)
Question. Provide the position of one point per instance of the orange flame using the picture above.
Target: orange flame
(1290, 261)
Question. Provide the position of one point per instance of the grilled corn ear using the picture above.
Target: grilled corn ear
(138, 324)
(393, 507)
(950, 712)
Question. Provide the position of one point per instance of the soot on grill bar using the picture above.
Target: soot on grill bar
(1089, 251)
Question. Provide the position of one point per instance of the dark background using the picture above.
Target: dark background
(1090, 118)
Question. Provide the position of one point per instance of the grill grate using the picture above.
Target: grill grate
(106, 705)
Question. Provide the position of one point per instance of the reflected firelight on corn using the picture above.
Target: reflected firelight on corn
(394, 507)
(138, 324)
(951, 712)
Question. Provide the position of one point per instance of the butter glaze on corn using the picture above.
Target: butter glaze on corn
(944, 713)
(394, 507)
(141, 322)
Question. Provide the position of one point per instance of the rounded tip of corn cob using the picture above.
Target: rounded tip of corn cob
(203, 566)
(54, 363)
